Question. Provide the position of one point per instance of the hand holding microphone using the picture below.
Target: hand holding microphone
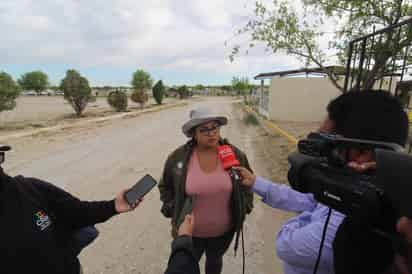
(248, 178)
(232, 165)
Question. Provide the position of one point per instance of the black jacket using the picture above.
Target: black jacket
(182, 260)
(173, 183)
(36, 236)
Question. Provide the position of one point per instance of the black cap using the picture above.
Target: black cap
(4, 148)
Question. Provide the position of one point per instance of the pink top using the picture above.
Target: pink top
(212, 193)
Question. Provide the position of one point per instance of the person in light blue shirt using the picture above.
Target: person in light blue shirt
(298, 241)
(371, 115)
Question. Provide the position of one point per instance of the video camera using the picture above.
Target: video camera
(378, 197)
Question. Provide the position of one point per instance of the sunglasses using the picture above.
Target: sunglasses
(209, 130)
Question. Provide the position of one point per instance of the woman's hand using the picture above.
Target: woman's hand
(248, 178)
(121, 205)
(186, 228)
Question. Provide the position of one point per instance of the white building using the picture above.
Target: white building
(302, 95)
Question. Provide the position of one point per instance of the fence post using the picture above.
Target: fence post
(345, 89)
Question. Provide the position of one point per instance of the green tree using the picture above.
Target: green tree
(9, 91)
(54, 88)
(299, 33)
(227, 90)
(240, 85)
(158, 92)
(76, 91)
(118, 100)
(35, 80)
(141, 80)
(199, 87)
(183, 92)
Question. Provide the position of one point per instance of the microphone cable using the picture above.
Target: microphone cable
(243, 253)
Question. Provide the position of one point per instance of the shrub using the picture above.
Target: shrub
(140, 97)
(9, 91)
(118, 100)
(158, 92)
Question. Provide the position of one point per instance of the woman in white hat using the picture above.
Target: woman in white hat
(194, 180)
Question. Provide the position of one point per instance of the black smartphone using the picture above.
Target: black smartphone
(140, 189)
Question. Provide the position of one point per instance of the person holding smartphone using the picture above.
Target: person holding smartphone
(194, 180)
(39, 221)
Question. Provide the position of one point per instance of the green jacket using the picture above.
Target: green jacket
(173, 192)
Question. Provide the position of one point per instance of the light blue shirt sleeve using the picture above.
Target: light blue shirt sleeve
(283, 197)
(299, 240)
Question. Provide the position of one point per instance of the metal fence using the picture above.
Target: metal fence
(381, 59)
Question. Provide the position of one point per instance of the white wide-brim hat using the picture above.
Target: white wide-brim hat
(200, 116)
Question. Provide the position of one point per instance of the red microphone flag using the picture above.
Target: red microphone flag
(227, 157)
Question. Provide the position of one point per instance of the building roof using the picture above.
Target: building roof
(339, 70)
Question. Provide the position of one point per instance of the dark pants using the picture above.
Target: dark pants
(214, 248)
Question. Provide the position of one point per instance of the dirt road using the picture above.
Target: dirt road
(96, 162)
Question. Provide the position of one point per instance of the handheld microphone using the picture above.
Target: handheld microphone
(228, 158)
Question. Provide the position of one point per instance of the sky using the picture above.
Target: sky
(179, 42)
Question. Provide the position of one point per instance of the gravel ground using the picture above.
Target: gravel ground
(298, 129)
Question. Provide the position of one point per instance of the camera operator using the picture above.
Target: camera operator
(40, 221)
(371, 115)
(375, 116)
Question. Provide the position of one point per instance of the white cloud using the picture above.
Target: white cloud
(156, 34)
